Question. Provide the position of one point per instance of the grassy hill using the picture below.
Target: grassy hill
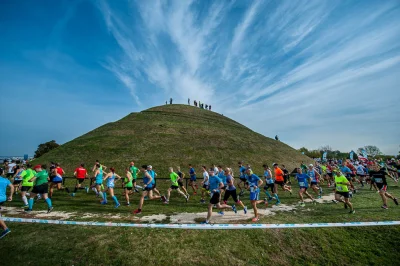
(173, 135)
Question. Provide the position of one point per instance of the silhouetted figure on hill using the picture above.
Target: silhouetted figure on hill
(170, 101)
(166, 102)
(188, 101)
(206, 106)
(199, 104)
(276, 138)
(195, 103)
(209, 108)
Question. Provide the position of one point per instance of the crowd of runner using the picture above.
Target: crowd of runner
(218, 183)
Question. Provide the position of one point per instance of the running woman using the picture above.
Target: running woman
(242, 178)
(154, 175)
(254, 184)
(41, 187)
(98, 183)
(379, 178)
(279, 181)
(26, 184)
(222, 176)
(314, 175)
(148, 189)
(303, 184)
(215, 186)
(180, 181)
(4, 183)
(174, 185)
(269, 183)
(286, 175)
(192, 182)
(57, 180)
(128, 185)
(134, 171)
(342, 190)
(204, 183)
(80, 175)
(231, 191)
(110, 180)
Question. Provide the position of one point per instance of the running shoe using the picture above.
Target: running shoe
(335, 201)
(270, 198)
(73, 195)
(255, 219)
(87, 189)
(320, 190)
(163, 198)
(50, 209)
(395, 201)
(28, 210)
(187, 197)
(241, 193)
(290, 191)
(4, 233)
(202, 201)
(221, 213)
(166, 202)
(146, 198)
(278, 202)
(352, 212)
(205, 222)
(302, 204)
(384, 207)
(137, 211)
(103, 202)
(128, 204)
(117, 205)
(345, 206)
(194, 193)
(245, 209)
(319, 196)
(234, 208)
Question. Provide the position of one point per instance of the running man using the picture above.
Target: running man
(153, 176)
(17, 178)
(80, 175)
(279, 181)
(174, 185)
(242, 178)
(303, 184)
(98, 183)
(222, 176)
(128, 185)
(148, 189)
(231, 191)
(314, 175)
(286, 175)
(254, 184)
(342, 190)
(134, 171)
(180, 181)
(269, 183)
(215, 186)
(41, 187)
(204, 184)
(378, 176)
(26, 184)
(361, 173)
(56, 181)
(110, 180)
(4, 183)
(192, 182)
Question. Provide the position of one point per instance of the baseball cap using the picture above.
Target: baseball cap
(311, 165)
(37, 166)
(150, 167)
(274, 164)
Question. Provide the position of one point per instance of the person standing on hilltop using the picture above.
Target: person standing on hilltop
(170, 100)
(209, 107)
(188, 101)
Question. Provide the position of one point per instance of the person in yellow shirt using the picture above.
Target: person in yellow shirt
(342, 190)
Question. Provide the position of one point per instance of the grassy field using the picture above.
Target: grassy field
(36, 244)
(173, 135)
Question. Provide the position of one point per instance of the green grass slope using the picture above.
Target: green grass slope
(173, 135)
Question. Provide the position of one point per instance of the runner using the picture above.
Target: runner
(98, 177)
(80, 175)
(314, 175)
(57, 179)
(204, 183)
(41, 187)
(342, 190)
(242, 178)
(192, 182)
(286, 176)
(269, 182)
(26, 184)
(102, 167)
(231, 191)
(180, 181)
(303, 184)
(4, 183)
(279, 181)
(222, 176)
(134, 171)
(254, 183)
(215, 186)
(17, 179)
(329, 174)
(378, 175)
(174, 185)
(361, 173)
(11, 169)
(154, 175)
(348, 174)
(128, 184)
(110, 179)
(148, 189)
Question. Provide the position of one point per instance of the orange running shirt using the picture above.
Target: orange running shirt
(278, 174)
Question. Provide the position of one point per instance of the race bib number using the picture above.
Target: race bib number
(378, 180)
(339, 188)
(302, 184)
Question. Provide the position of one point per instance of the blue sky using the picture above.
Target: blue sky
(314, 72)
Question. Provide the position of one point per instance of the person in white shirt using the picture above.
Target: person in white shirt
(205, 183)
(361, 173)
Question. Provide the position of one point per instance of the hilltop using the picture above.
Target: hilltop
(172, 135)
